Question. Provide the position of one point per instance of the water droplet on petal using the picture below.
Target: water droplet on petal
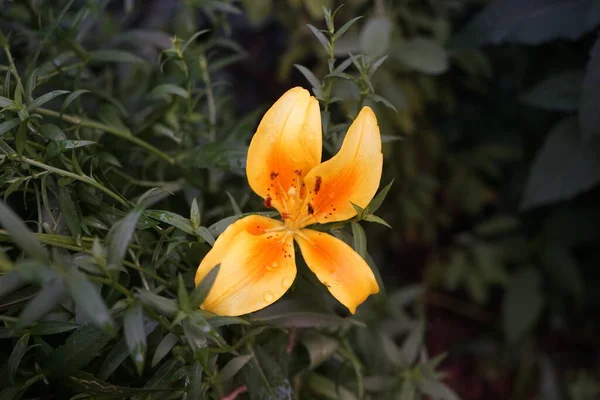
(286, 283)
(268, 297)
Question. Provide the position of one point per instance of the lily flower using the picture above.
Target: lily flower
(284, 167)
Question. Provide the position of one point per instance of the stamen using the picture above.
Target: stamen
(268, 202)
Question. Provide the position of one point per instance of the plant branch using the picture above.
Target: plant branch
(124, 134)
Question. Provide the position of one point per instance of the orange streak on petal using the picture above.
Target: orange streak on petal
(347, 276)
(286, 145)
(257, 267)
(351, 176)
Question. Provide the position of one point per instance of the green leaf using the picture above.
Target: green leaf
(375, 219)
(589, 118)
(173, 219)
(360, 239)
(531, 22)
(319, 35)
(160, 304)
(43, 99)
(115, 357)
(578, 170)
(4, 102)
(379, 99)
(43, 328)
(196, 331)
(265, 378)
(81, 347)
(522, 304)
(437, 390)
(170, 89)
(118, 56)
(195, 214)
(328, 389)
(16, 355)
(312, 79)
(164, 347)
(21, 235)
(52, 132)
(423, 55)
(412, 345)
(205, 234)
(234, 205)
(320, 348)
(233, 367)
(52, 292)
(87, 297)
(376, 35)
(121, 238)
(340, 32)
(559, 92)
(8, 125)
(135, 336)
(225, 155)
(203, 288)
(194, 389)
(378, 199)
(182, 294)
(92, 387)
(72, 97)
(153, 196)
(69, 212)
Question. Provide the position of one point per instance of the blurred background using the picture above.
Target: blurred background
(490, 114)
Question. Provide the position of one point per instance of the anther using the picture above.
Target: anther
(268, 202)
(317, 184)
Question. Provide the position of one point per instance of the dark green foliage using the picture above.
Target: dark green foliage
(124, 130)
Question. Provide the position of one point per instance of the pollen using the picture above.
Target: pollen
(317, 184)
(268, 202)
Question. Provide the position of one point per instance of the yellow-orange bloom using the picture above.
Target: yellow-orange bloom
(284, 167)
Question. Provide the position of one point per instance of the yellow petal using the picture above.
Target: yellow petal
(347, 276)
(286, 145)
(352, 175)
(257, 266)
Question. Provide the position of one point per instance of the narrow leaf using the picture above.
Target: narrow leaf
(135, 336)
(19, 232)
(43, 99)
(203, 288)
(87, 297)
(121, 238)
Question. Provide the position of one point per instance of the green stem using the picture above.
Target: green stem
(84, 179)
(119, 132)
(60, 70)
(113, 284)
